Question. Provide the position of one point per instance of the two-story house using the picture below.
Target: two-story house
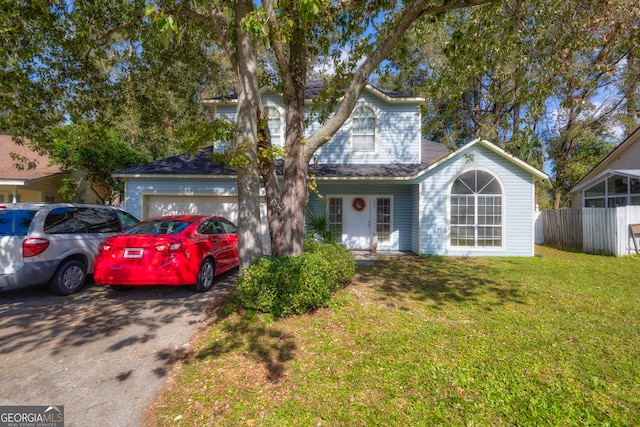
(381, 184)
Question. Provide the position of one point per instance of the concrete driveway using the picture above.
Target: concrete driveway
(102, 354)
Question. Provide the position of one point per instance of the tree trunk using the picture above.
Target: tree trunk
(289, 236)
(246, 141)
(557, 197)
(287, 227)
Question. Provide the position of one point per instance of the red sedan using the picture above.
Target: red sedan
(172, 250)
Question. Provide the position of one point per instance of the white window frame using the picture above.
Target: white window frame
(389, 239)
(374, 147)
(610, 199)
(475, 225)
(330, 215)
(278, 132)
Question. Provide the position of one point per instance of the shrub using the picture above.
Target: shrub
(343, 264)
(319, 228)
(293, 285)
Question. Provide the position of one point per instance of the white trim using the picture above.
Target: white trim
(420, 216)
(503, 215)
(393, 241)
(533, 220)
(535, 172)
(606, 174)
(403, 100)
(280, 110)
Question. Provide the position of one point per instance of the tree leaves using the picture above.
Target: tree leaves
(524, 71)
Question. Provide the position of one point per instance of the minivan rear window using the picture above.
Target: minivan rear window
(15, 222)
(81, 220)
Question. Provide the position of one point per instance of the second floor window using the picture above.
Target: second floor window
(363, 131)
(275, 125)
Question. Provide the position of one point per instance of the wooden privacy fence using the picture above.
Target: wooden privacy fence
(592, 230)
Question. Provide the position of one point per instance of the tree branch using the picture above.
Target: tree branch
(412, 12)
(282, 59)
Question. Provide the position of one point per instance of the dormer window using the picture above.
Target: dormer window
(275, 125)
(363, 130)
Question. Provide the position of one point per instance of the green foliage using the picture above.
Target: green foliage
(109, 63)
(575, 153)
(318, 228)
(193, 136)
(95, 150)
(283, 285)
(521, 73)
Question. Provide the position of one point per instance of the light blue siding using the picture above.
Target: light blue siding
(398, 132)
(397, 136)
(137, 188)
(518, 190)
(227, 110)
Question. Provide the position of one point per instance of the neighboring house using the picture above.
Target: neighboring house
(39, 183)
(384, 186)
(615, 181)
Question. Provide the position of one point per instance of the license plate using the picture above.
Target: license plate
(133, 252)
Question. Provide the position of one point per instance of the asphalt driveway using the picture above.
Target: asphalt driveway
(102, 354)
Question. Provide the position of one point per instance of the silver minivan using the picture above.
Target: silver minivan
(54, 243)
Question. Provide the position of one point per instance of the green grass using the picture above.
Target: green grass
(550, 340)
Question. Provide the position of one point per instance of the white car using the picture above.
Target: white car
(54, 243)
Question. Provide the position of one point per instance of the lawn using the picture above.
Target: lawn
(550, 340)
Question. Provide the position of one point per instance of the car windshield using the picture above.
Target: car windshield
(160, 226)
(15, 222)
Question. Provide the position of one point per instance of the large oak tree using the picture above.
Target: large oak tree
(293, 35)
(267, 42)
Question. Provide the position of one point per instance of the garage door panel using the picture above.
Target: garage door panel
(193, 205)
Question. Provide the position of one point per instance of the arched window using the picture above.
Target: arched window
(275, 125)
(476, 210)
(363, 129)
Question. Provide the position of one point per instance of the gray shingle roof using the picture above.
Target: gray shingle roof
(202, 165)
(312, 90)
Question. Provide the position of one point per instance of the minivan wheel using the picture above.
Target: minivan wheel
(69, 278)
(205, 276)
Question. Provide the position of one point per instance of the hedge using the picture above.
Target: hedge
(283, 286)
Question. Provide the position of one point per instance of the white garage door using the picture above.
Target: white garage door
(226, 206)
